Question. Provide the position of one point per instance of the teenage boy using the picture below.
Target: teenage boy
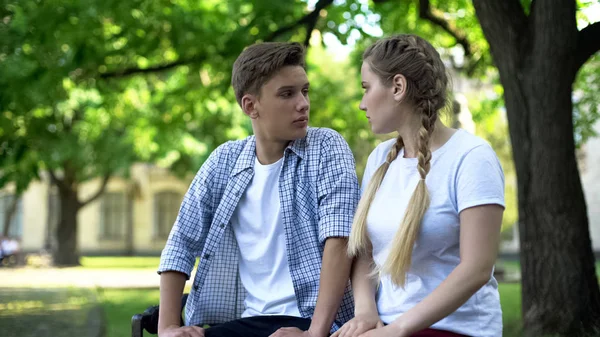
(269, 217)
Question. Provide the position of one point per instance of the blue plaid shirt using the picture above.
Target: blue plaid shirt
(319, 192)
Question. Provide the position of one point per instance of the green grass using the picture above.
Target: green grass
(120, 304)
(151, 262)
(120, 262)
(514, 265)
(510, 299)
(60, 312)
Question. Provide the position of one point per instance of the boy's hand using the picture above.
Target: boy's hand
(183, 331)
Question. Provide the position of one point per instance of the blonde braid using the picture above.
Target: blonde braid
(359, 242)
(399, 259)
(427, 84)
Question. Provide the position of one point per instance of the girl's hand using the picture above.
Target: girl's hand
(358, 325)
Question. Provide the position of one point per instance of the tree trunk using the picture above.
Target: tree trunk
(50, 224)
(560, 288)
(67, 252)
(535, 58)
(130, 199)
(9, 213)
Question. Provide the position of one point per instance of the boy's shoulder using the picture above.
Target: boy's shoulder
(321, 133)
(320, 139)
(228, 152)
(226, 155)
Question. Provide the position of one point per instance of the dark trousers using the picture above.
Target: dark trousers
(258, 326)
(436, 333)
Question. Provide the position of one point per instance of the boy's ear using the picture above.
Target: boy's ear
(249, 102)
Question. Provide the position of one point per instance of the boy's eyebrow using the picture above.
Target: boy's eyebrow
(289, 87)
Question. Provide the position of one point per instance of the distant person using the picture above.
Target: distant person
(9, 248)
(2, 244)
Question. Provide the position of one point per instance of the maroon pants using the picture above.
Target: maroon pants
(436, 333)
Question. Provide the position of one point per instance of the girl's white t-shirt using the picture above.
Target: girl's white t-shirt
(465, 172)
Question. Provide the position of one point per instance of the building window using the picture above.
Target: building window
(166, 207)
(16, 222)
(113, 215)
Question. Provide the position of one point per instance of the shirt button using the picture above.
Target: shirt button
(195, 287)
(222, 225)
(206, 256)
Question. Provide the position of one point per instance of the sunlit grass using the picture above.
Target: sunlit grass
(28, 312)
(16, 307)
(119, 305)
(510, 299)
(120, 262)
(514, 265)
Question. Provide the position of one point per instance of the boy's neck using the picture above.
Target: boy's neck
(269, 152)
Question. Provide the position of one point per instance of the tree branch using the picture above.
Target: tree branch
(134, 70)
(310, 26)
(588, 43)
(9, 212)
(428, 13)
(309, 20)
(503, 23)
(305, 20)
(99, 192)
(56, 181)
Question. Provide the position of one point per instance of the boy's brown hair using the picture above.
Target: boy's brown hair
(259, 62)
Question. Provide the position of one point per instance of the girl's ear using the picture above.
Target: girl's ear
(399, 87)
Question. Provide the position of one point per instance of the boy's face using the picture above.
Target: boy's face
(281, 111)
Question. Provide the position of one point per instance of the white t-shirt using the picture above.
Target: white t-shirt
(465, 172)
(258, 228)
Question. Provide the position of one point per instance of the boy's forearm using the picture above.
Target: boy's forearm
(171, 290)
(335, 271)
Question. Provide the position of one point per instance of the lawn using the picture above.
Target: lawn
(510, 299)
(119, 262)
(514, 265)
(120, 304)
(61, 312)
(151, 262)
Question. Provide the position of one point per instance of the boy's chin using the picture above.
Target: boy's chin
(297, 133)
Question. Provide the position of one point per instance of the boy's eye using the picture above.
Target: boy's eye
(286, 94)
(305, 92)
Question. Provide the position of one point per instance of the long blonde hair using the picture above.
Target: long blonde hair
(427, 82)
